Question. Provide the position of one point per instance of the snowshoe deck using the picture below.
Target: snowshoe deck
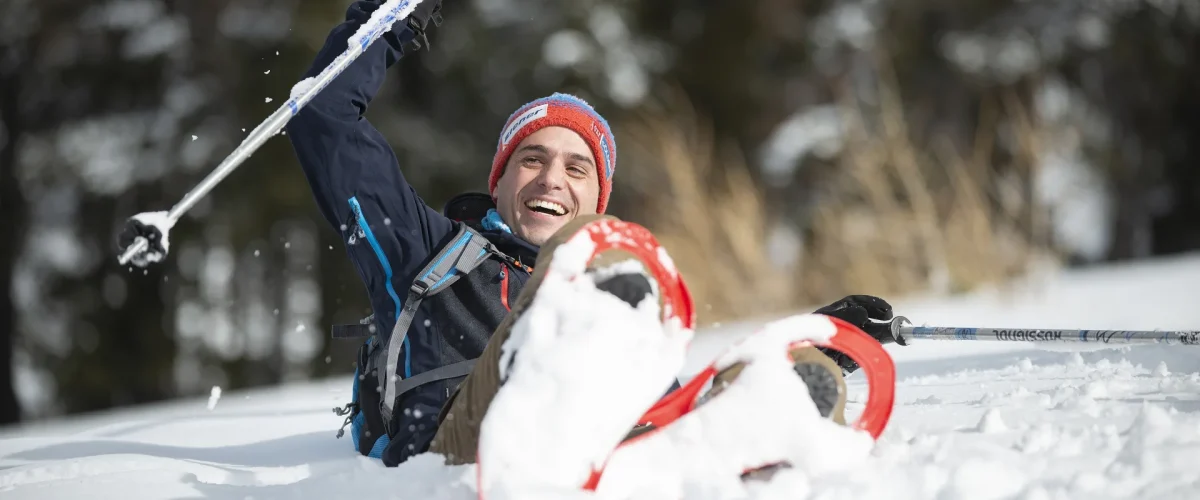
(591, 367)
(582, 362)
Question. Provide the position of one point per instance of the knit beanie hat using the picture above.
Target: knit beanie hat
(562, 110)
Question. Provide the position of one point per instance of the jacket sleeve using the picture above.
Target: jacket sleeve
(352, 171)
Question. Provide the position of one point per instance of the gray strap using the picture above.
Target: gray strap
(460, 257)
(350, 331)
(449, 371)
(389, 376)
(364, 328)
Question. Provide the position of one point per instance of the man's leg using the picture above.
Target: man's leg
(457, 437)
(458, 434)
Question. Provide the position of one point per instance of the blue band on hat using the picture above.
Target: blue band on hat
(604, 135)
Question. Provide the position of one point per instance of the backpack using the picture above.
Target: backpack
(370, 411)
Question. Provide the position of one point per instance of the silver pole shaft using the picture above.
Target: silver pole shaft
(1111, 337)
(274, 123)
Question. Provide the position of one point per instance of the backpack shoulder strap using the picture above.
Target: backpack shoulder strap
(462, 255)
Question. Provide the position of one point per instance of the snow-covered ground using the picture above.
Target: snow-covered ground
(972, 420)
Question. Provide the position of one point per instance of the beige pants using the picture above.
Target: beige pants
(457, 437)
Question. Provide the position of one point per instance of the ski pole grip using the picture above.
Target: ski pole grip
(139, 245)
(898, 330)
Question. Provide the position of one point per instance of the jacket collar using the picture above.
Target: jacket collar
(523, 251)
(471, 208)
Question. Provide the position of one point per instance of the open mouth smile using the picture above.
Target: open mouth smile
(546, 207)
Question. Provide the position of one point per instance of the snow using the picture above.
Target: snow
(587, 364)
(161, 220)
(213, 397)
(381, 20)
(704, 453)
(973, 420)
(817, 130)
(302, 87)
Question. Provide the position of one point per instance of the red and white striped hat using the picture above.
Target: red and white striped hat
(561, 110)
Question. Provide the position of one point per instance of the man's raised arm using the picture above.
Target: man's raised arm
(353, 172)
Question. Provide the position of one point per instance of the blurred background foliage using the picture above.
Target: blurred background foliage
(786, 152)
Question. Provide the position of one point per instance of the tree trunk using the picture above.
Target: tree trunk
(12, 223)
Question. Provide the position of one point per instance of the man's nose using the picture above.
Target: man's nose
(554, 175)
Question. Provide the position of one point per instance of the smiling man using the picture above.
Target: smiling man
(553, 164)
(446, 286)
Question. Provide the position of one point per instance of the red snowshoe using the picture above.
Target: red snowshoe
(591, 367)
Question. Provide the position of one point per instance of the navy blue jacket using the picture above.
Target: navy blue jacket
(391, 233)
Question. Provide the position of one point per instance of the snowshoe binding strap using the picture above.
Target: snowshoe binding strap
(877, 366)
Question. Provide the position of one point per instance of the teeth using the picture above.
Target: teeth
(548, 205)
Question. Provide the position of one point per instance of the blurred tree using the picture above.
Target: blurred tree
(1144, 74)
(85, 98)
(12, 221)
(852, 114)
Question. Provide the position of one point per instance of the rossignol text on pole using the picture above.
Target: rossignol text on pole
(1113, 337)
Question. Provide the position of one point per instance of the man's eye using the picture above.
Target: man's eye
(532, 160)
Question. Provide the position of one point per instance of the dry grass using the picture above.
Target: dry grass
(706, 210)
(892, 219)
(898, 220)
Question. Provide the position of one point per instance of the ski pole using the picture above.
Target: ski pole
(1119, 337)
(380, 23)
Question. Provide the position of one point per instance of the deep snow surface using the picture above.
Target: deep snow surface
(972, 420)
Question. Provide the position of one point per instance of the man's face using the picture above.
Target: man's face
(550, 179)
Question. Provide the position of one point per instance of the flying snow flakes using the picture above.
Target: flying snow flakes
(213, 397)
(268, 99)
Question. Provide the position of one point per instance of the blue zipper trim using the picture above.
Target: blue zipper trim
(387, 270)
